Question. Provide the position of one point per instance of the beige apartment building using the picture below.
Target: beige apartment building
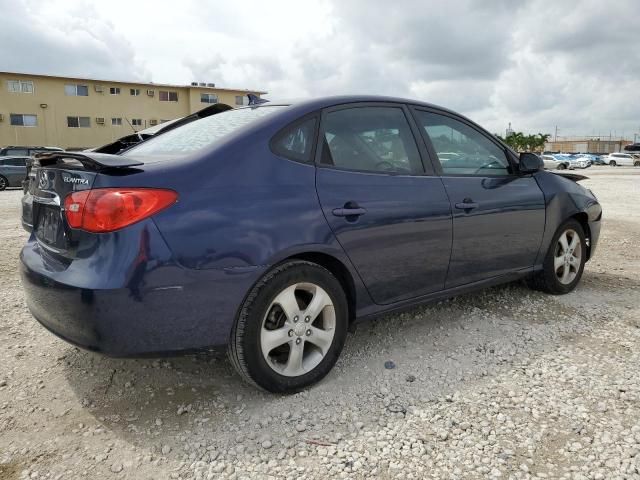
(77, 113)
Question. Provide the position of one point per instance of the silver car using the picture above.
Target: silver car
(554, 163)
(13, 170)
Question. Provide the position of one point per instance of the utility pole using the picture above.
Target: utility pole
(555, 138)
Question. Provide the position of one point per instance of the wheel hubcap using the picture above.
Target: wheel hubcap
(298, 329)
(568, 257)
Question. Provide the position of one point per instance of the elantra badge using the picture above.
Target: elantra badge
(75, 180)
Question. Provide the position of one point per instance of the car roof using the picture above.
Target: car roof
(317, 103)
(31, 147)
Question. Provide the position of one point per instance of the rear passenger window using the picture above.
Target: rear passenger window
(17, 162)
(462, 150)
(370, 139)
(296, 142)
(17, 152)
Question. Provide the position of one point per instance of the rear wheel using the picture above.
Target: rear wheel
(636, 163)
(562, 166)
(564, 263)
(291, 328)
(612, 163)
(4, 183)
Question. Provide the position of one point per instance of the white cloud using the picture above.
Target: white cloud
(539, 64)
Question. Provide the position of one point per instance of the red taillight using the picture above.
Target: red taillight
(108, 209)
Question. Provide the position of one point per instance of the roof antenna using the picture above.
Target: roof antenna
(134, 130)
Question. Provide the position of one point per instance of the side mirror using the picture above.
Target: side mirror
(530, 163)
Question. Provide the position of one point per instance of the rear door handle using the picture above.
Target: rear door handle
(467, 205)
(348, 212)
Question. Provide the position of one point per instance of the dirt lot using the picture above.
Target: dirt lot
(505, 383)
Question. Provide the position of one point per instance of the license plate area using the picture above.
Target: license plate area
(49, 225)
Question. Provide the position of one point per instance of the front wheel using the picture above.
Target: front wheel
(291, 328)
(562, 166)
(564, 263)
(612, 163)
(636, 163)
(4, 183)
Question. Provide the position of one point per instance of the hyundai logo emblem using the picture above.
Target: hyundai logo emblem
(43, 180)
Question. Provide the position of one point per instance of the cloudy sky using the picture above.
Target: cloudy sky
(537, 64)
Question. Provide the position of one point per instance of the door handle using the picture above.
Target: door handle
(348, 212)
(467, 204)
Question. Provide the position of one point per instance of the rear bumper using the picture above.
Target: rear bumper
(164, 309)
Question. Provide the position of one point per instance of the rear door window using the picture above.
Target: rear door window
(16, 162)
(370, 139)
(17, 151)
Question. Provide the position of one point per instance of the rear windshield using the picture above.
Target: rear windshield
(199, 134)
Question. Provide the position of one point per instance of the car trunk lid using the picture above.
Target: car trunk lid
(53, 177)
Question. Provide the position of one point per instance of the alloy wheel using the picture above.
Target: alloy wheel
(298, 329)
(568, 256)
(3, 183)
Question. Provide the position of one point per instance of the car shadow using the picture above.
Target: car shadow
(434, 350)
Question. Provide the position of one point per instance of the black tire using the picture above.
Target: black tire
(636, 164)
(4, 183)
(612, 163)
(562, 166)
(546, 279)
(245, 351)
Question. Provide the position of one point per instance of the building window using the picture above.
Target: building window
(208, 98)
(114, 91)
(20, 86)
(23, 120)
(74, 90)
(134, 92)
(116, 122)
(136, 122)
(242, 100)
(168, 96)
(164, 120)
(78, 122)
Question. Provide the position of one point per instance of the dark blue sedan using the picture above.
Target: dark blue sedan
(272, 228)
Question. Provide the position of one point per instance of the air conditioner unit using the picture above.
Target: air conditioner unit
(203, 84)
(194, 84)
(151, 93)
(98, 88)
(211, 85)
(153, 122)
(100, 120)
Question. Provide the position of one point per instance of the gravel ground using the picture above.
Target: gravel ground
(504, 383)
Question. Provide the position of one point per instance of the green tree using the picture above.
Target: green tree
(526, 143)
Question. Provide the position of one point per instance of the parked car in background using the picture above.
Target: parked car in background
(553, 163)
(13, 171)
(592, 159)
(26, 151)
(578, 162)
(633, 148)
(599, 160)
(271, 229)
(615, 159)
